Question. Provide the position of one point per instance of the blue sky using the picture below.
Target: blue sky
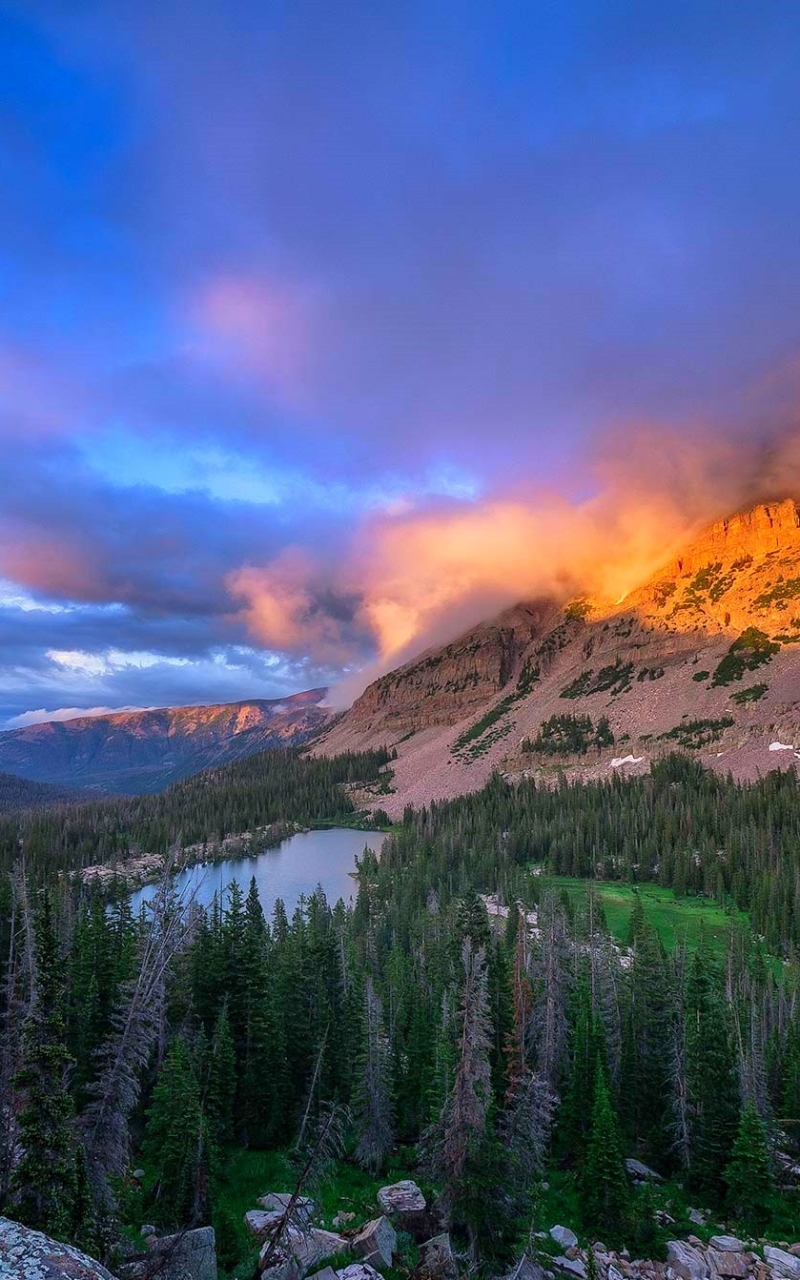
(294, 296)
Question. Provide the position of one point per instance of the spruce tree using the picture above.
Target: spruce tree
(45, 1177)
(221, 1084)
(175, 1142)
(605, 1193)
(711, 1078)
(749, 1174)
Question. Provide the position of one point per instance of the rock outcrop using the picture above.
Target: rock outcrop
(31, 1255)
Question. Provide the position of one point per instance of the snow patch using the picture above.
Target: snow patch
(780, 746)
(619, 761)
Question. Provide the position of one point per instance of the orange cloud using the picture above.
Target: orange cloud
(418, 578)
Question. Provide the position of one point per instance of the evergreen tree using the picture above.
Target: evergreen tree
(45, 1177)
(175, 1142)
(749, 1174)
(711, 1078)
(221, 1084)
(605, 1193)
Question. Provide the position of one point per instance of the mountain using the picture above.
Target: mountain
(704, 656)
(135, 752)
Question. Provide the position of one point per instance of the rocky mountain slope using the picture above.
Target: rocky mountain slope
(142, 751)
(705, 656)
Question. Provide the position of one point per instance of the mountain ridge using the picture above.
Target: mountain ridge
(703, 655)
(141, 751)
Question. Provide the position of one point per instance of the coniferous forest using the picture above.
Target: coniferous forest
(469, 1019)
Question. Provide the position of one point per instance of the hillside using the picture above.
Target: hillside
(144, 751)
(703, 656)
(16, 793)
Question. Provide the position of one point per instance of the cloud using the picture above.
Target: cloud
(60, 714)
(417, 579)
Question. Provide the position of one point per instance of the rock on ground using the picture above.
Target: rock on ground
(783, 1263)
(402, 1197)
(277, 1201)
(727, 1244)
(377, 1242)
(189, 1255)
(359, 1271)
(642, 1172)
(260, 1222)
(34, 1256)
(436, 1261)
(563, 1236)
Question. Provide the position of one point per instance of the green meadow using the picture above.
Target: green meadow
(677, 920)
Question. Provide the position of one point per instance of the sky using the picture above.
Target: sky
(326, 326)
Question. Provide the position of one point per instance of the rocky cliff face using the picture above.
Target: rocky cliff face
(444, 685)
(141, 751)
(704, 656)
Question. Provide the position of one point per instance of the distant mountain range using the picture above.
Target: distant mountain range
(143, 751)
(703, 657)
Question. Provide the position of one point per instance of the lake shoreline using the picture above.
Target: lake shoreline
(289, 868)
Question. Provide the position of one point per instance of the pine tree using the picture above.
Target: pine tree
(711, 1078)
(221, 1084)
(45, 1178)
(605, 1194)
(749, 1174)
(175, 1141)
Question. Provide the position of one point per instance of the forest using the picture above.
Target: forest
(466, 1018)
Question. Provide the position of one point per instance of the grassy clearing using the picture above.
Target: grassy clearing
(251, 1174)
(675, 919)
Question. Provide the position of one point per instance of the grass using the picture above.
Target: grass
(675, 919)
(249, 1175)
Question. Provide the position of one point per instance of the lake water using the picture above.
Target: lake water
(293, 868)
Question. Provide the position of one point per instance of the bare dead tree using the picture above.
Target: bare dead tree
(551, 974)
(124, 1056)
(373, 1106)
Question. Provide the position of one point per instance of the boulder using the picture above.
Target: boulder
(726, 1244)
(310, 1247)
(686, 1262)
(260, 1222)
(187, 1255)
(575, 1267)
(642, 1172)
(377, 1242)
(27, 1253)
(281, 1261)
(526, 1269)
(342, 1219)
(696, 1217)
(436, 1258)
(401, 1197)
(327, 1273)
(359, 1271)
(278, 1200)
(782, 1262)
(725, 1262)
(563, 1236)
(282, 1269)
